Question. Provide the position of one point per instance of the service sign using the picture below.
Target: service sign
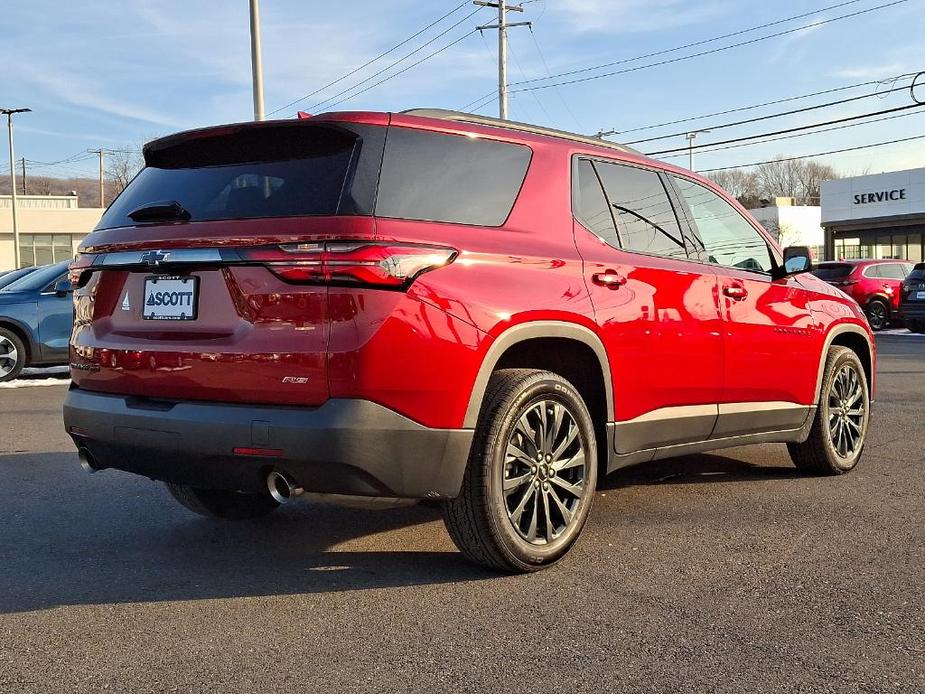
(895, 193)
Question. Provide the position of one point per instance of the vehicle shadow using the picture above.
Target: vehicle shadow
(701, 468)
(67, 538)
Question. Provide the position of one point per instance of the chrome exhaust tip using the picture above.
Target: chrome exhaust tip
(86, 460)
(282, 487)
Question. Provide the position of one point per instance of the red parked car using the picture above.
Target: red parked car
(442, 306)
(875, 284)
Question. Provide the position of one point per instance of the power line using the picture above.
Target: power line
(539, 52)
(403, 70)
(680, 48)
(817, 154)
(771, 116)
(739, 109)
(712, 51)
(787, 130)
(327, 102)
(789, 137)
(693, 44)
(370, 62)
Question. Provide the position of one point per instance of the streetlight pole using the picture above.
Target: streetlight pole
(9, 124)
(690, 147)
(256, 60)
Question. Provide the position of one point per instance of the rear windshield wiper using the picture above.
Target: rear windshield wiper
(159, 211)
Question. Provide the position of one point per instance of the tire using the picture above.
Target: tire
(219, 503)
(12, 355)
(497, 528)
(878, 314)
(826, 451)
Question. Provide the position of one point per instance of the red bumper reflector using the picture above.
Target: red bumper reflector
(259, 452)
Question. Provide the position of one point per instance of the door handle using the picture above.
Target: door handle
(735, 291)
(609, 278)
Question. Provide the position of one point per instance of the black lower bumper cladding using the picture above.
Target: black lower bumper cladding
(344, 446)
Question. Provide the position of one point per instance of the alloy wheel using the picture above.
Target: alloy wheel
(544, 472)
(8, 356)
(847, 412)
(876, 315)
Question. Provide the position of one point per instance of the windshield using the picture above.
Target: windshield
(272, 172)
(13, 275)
(39, 279)
(833, 271)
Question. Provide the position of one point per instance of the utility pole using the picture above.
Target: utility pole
(101, 152)
(9, 124)
(25, 185)
(256, 61)
(502, 26)
(690, 147)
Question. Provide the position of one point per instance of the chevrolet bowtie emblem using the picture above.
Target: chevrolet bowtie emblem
(155, 258)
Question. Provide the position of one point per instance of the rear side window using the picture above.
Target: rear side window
(893, 271)
(279, 171)
(874, 271)
(591, 205)
(645, 218)
(832, 271)
(727, 237)
(449, 178)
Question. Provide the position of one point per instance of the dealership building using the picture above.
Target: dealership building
(50, 228)
(878, 216)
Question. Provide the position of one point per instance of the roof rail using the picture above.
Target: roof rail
(446, 114)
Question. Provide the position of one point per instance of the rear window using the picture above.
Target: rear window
(449, 178)
(281, 171)
(918, 272)
(835, 271)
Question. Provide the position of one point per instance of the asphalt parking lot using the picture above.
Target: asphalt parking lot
(712, 573)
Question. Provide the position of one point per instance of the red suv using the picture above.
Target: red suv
(875, 284)
(436, 305)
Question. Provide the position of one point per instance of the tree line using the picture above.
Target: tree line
(798, 178)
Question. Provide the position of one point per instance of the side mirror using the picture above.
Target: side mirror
(63, 287)
(797, 259)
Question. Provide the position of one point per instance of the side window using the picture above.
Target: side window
(591, 205)
(727, 237)
(646, 220)
(893, 271)
(873, 271)
(449, 178)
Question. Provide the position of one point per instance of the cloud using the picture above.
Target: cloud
(632, 16)
(870, 72)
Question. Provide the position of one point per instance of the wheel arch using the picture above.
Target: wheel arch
(857, 340)
(520, 346)
(23, 333)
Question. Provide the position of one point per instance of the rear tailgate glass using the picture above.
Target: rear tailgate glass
(246, 173)
(833, 271)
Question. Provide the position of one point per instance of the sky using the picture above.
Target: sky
(109, 74)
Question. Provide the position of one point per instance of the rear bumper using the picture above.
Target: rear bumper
(345, 446)
(912, 310)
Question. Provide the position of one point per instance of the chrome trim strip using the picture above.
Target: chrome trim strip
(173, 256)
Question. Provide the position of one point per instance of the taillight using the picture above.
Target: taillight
(77, 270)
(392, 265)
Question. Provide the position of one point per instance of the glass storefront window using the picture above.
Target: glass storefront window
(44, 249)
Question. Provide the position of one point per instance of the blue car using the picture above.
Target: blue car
(36, 314)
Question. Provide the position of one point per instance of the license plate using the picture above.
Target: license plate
(919, 296)
(171, 298)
